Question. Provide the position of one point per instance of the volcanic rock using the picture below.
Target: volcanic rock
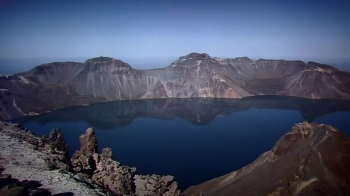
(57, 142)
(58, 147)
(56, 85)
(112, 175)
(26, 166)
(107, 152)
(85, 159)
(117, 178)
(155, 185)
(311, 159)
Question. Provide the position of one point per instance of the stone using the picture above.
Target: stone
(84, 159)
(107, 152)
(57, 142)
(173, 188)
(88, 143)
(167, 179)
(55, 162)
(111, 174)
(154, 185)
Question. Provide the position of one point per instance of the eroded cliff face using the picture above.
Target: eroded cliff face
(311, 159)
(56, 85)
(8, 106)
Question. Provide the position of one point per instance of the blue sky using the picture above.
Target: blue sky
(61, 30)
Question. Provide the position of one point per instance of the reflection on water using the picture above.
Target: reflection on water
(193, 139)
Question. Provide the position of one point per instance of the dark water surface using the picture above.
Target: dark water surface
(192, 139)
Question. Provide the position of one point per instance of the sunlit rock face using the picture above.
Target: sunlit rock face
(310, 159)
(55, 85)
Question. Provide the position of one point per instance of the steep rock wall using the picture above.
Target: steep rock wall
(56, 85)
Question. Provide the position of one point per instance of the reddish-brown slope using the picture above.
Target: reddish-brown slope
(310, 159)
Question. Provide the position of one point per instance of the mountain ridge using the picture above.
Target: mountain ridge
(60, 84)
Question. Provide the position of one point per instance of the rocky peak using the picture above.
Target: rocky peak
(198, 56)
(192, 59)
(107, 61)
(320, 67)
(88, 143)
(99, 60)
(242, 59)
(195, 59)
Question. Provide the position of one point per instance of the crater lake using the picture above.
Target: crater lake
(194, 140)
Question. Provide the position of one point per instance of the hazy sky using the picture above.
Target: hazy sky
(317, 30)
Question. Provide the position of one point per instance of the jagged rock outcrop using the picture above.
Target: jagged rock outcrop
(28, 157)
(117, 178)
(85, 159)
(113, 175)
(56, 85)
(57, 143)
(58, 147)
(57, 158)
(155, 185)
(311, 159)
(29, 165)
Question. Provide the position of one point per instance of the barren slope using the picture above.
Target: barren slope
(310, 159)
(56, 85)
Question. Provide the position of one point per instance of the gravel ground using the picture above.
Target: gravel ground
(20, 159)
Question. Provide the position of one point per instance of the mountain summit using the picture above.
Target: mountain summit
(55, 85)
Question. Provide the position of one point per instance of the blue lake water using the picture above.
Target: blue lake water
(194, 140)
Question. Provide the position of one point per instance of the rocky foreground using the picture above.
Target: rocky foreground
(28, 162)
(311, 159)
(31, 165)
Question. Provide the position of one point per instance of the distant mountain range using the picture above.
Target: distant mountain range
(56, 85)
